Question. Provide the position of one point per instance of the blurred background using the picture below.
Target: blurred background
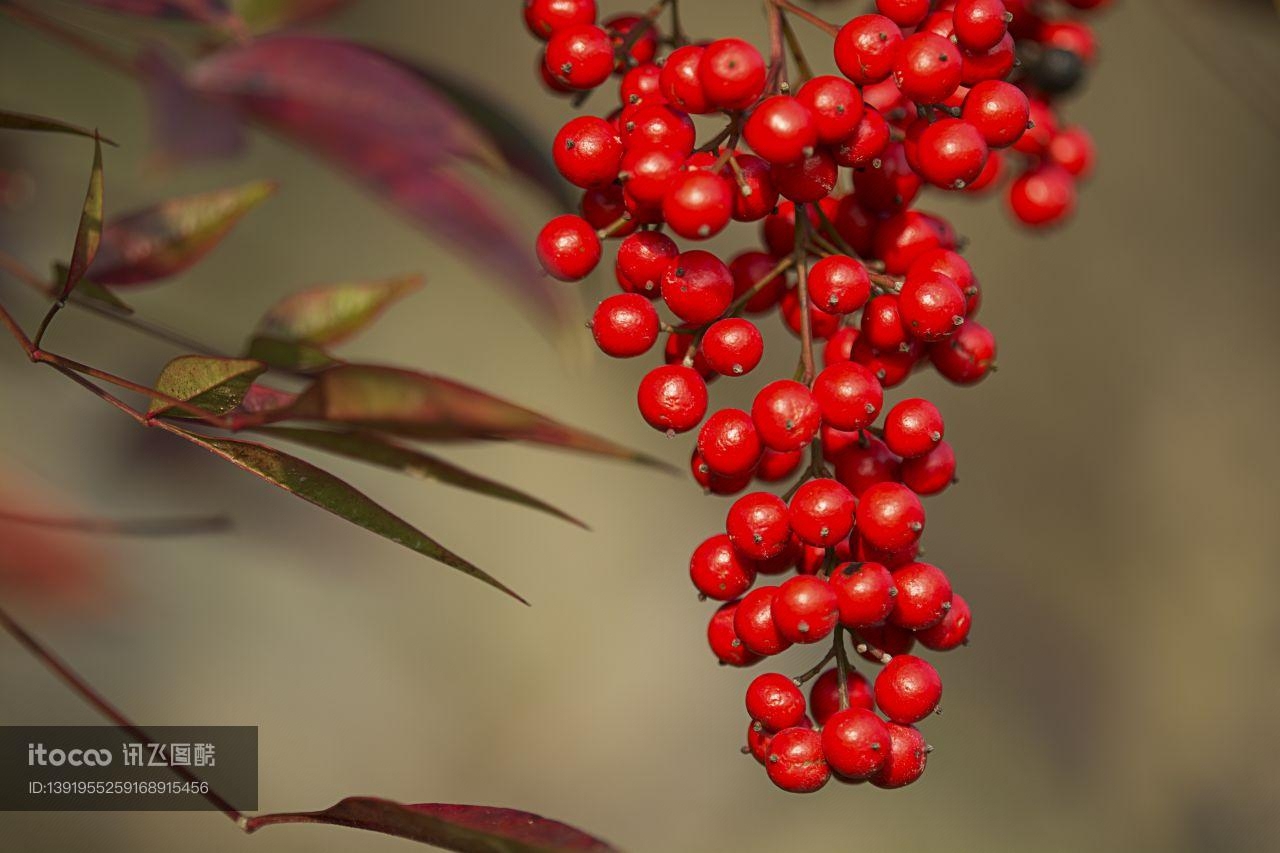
(1114, 528)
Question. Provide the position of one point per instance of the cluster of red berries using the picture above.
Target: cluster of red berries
(930, 93)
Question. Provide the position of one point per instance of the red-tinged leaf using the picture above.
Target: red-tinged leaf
(290, 355)
(186, 125)
(263, 398)
(422, 406)
(319, 487)
(466, 829)
(23, 121)
(264, 15)
(380, 123)
(89, 233)
(212, 13)
(516, 140)
(332, 313)
(379, 450)
(215, 384)
(165, 239)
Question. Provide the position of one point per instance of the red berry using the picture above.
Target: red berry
(890, 516)
(568, 247)
(822, 512)
(1072, 149)
(723, 638)
(905, 236)
(795, 761)
(890, 184)
(781, 130)
(993, 64)
(954, 267)
(580, 56)
(729, 444)
(754, 195)
(732, 74)
(640, 86)
(967, 356)
(980, 24)
(836, 105)
(786, 415)
(759, 525)
(643, 258)
(932, 472)
(906, 760)
(777, 465)
(681, 81)
(824, 696)
(659, 126)
(698, 204)
(839, 347)
(733, 346)
(821, 324)
(719, 571)
(713, 483)
(679, 346)
(866, 463)
(672, 398)
(927, 68)
(758, 740)
(904, 13)
(806, 180)
(587, 151)
(545, 17)
(642, 49)
(753, 622)
(839, 285)
(888, 638)
(848, 395)
(913, 427)
(1043, 196)
(924, 596)
(952, 631)
(865, 48)
(951, 153)
(804, 609)
(864, 594)
(775, 702)
(999, 110)
(603, 207)
(625, 325)
(855, 743)
(865, 144)
(931, 304)
(908, 689)
(697, 287)
(648, 172)
(756, 271)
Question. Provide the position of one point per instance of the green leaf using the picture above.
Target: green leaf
(215, 384)
(165, 239)
(422, 406)
(326, 491)
(379, 450)
(290, 355)
(25, 121)
(332, 313)
(89, 232)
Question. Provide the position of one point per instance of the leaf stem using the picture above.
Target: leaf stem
(127, 527)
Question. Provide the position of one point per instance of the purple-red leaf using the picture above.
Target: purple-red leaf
(186, 125)
(24, 121)
(466, 829)
(167, 238)
(89, 233)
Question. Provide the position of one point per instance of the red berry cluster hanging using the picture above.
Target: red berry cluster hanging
(930, 93)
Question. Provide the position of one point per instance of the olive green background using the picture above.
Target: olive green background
(1115, 527)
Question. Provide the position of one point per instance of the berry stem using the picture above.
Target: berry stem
(797, 51)
(817, 668)
(842, 666)
(807, 371)
(777, 79)
(805, 15)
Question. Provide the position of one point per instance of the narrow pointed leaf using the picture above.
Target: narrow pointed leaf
(379, 450)
(167, 238)
(91, 290)
(329, 314)
(290, 355)
(24, 121)
(465, 829)
(215, 384)
(326, 491)
(419, 405)
(89, 233)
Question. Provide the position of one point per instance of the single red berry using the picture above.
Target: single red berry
(924, 596)
(758, 740)
(625, 325)
(602, 207)
(587, 151)
(754, 195)
(681, 80)
(732, 74)
(863, 147)
(1042, 126)
(931, 304)
(908, 754)
(679, 346)
(659, 126)
(905, 236)
(759, 525)
(865, 48)
(795, 761)
(822, 512)
(568, 248)
(927, 68)
(999, 110)
(723, 638)
(951, 153)
(954, 267)
(931, 473)
(698, 204)
(839, 347)
(848, 395)
(804, 610)
(890, 516)
(713, 483)
(640, 86)
(753, 622)
(821, 324)
(643, 48)
(672, 398)
(913, 427)
(889, 184)
(719, 571)
(697, 287)
(778, 231)
(904, 13)
(993, 64)
(980, 24)
(784, 561)
(643, 258)
(836, 105)
(1072, 149)
(729, 444)
(757, 271)
(648, 173)
(855, 743)
(824, 696)
(1043, 196)
(952, 631)
(991, 173)
(890, 367)
(733, 346)
(806, 180)
(545, 17)
(866, 463)
(864, 594)
(774, 701)
(839, 284)
(781, 130)
(776, 465)
(908, 689)
(580, 56)
(786, 415)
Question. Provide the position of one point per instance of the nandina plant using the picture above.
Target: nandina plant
(937, 96)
